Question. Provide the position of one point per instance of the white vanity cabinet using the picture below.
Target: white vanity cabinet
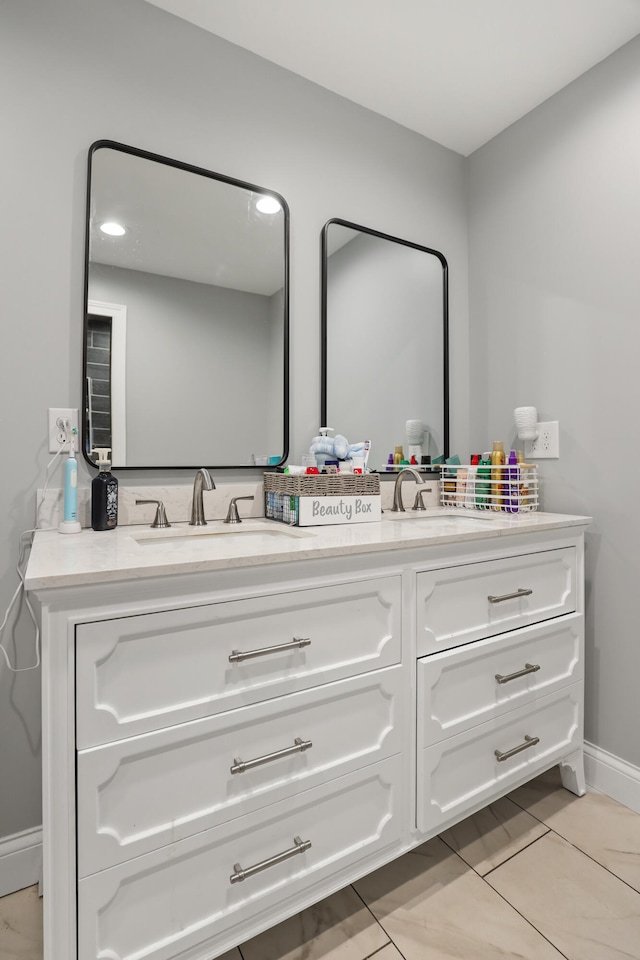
(225, 747)
(503, 699)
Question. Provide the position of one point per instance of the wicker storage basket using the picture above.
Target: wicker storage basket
(329, 498)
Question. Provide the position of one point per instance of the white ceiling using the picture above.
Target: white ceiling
(456, 71)
(182, 225)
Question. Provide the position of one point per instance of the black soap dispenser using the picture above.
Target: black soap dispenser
(104, 493)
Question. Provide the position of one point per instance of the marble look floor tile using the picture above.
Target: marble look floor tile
(338, 928)
(586, 912)
(494, 834)
(387, 953)
(434, 907)
(598, 825)
(21, 925)
(545, 793)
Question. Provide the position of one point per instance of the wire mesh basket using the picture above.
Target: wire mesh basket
(511, 488)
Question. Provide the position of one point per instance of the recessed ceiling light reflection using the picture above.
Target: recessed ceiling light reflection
(113, 229)
(268, 205)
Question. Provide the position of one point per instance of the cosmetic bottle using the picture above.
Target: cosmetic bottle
(462, 475)
(398, 456)
(513, 483)
(524, 491)
(472, 474)
(104, 493)
(483, 485)
(498, 460)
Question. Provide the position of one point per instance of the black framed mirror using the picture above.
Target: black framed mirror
(385, 340)
(186, 315)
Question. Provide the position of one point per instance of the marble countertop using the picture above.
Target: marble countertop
(137, 551)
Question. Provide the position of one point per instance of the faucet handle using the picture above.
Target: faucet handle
(160, 520)
(418, 503)
(232, 513)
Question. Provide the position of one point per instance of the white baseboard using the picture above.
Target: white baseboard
(20, 860)
(609, 774)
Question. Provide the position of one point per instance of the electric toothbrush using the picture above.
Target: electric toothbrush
(70, 522)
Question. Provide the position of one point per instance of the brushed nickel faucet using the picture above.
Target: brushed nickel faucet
(232, 513)
(398, 506)
(201, 482)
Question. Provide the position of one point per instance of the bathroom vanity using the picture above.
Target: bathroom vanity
(235, 725)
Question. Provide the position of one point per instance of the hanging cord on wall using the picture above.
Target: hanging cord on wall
(26, 541)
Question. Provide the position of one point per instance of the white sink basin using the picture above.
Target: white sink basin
(218, 531)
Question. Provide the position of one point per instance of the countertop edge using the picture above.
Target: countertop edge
(146, 570)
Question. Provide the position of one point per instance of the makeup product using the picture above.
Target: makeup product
(483, 485)
(472, 474)
(462, 474)
(513, 483)
(498, 460)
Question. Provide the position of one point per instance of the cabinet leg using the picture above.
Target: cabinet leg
(572, 773)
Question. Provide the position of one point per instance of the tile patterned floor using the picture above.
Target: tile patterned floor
(538, 875)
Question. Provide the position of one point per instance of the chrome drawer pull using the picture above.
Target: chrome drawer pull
(528, 668)
(237, 656)
(239, 874)
(528, 742)
(510, 596)
(299, 746)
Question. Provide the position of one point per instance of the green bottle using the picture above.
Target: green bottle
(483, 484)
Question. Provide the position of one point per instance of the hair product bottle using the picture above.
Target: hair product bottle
(498, 460)
(483, 485)
(513, 483)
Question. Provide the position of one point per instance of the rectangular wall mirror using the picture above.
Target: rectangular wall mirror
(186, 342)
(384, 340)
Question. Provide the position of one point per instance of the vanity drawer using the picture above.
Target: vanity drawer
(145, 792)
(464, 771)
(143, 673)
(459, 604)
(469, 685)
(167, 903)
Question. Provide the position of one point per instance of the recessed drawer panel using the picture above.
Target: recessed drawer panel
(476, 600)
(139, 794)
(480, 764)
(142, 673)
(471, 684)
(166, 903)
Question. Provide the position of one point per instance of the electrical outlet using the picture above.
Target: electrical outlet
(57, 435)
(546, 446)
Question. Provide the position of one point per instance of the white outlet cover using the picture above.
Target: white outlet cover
(546, 446)
(56, 436)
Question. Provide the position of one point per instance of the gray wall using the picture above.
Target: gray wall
(191, 348)
(75, 71)
(554, 292)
